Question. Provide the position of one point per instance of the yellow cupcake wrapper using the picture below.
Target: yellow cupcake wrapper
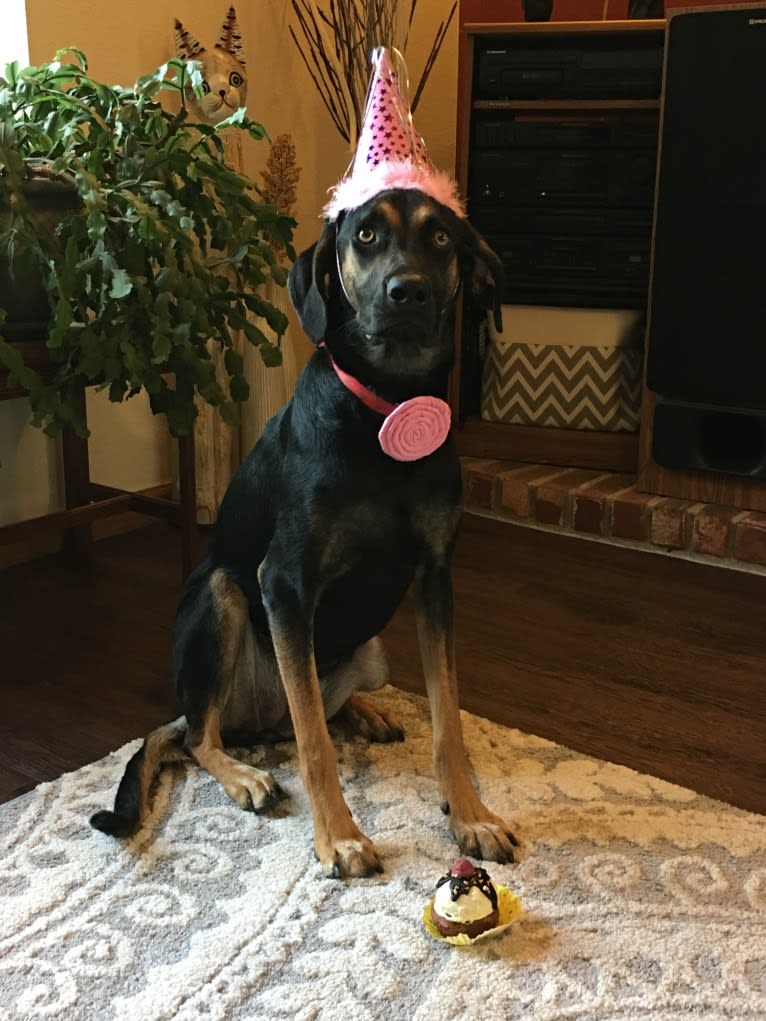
(509, 910)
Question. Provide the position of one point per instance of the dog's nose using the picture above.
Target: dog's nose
(408, 289)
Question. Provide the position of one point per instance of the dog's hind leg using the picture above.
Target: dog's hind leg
(254, 790)
(131, 804)
(358, 716)
(367, 670)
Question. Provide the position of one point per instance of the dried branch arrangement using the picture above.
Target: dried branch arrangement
(335, 43)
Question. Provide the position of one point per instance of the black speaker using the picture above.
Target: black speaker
(706, 340)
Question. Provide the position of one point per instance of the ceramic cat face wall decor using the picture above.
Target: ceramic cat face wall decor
(223, 70)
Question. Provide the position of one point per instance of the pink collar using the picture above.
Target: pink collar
(411, 430)
(365, 395)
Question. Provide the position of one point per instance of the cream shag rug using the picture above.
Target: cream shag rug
(641, 900)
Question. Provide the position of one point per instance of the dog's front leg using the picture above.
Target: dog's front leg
(478, 831)
(340, 845)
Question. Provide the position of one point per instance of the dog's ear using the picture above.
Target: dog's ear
(308, 283)
(483, 273)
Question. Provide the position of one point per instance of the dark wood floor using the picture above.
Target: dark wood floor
(638, 658)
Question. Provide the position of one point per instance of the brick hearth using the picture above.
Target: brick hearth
(609, 507)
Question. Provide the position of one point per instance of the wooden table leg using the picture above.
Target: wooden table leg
(187, 485)
(78, 541)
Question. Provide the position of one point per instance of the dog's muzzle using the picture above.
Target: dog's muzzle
(404, 291)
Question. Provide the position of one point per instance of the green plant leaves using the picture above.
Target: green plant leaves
(233, 361)
(18, 373)
(270, 355)
(239, 388)
(122, 285)
(165, 253)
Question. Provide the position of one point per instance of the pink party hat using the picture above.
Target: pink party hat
(390, 152)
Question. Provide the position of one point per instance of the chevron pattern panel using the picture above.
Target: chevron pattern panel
(581, 387)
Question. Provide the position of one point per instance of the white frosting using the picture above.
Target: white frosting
(468, 908)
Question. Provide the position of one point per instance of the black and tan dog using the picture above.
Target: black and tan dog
(321, 534)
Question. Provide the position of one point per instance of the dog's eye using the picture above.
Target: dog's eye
(441, 238)
(366, 235)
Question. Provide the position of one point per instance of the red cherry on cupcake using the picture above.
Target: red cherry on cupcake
(463, 869)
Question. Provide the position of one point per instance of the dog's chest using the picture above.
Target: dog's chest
(370, 553)
(365, 532)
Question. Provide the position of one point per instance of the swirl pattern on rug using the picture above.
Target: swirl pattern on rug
(642, 900)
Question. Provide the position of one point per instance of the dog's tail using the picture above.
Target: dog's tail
(163, 747)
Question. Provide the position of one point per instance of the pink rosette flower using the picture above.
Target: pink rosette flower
(415, 428)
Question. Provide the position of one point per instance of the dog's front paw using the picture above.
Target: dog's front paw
(253, 789)
(355, 856)
(486, 837)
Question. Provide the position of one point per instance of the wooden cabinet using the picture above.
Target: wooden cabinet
(488, 25)
(549, 93)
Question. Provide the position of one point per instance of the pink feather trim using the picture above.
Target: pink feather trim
(354, 191)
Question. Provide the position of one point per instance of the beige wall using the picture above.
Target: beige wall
(129, 447)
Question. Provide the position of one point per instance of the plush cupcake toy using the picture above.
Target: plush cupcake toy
(468, 905)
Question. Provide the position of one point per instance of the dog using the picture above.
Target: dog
(321, 534)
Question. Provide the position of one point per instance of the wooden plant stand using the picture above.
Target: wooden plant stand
(87, 501)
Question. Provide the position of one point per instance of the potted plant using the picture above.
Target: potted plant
(153, 247)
